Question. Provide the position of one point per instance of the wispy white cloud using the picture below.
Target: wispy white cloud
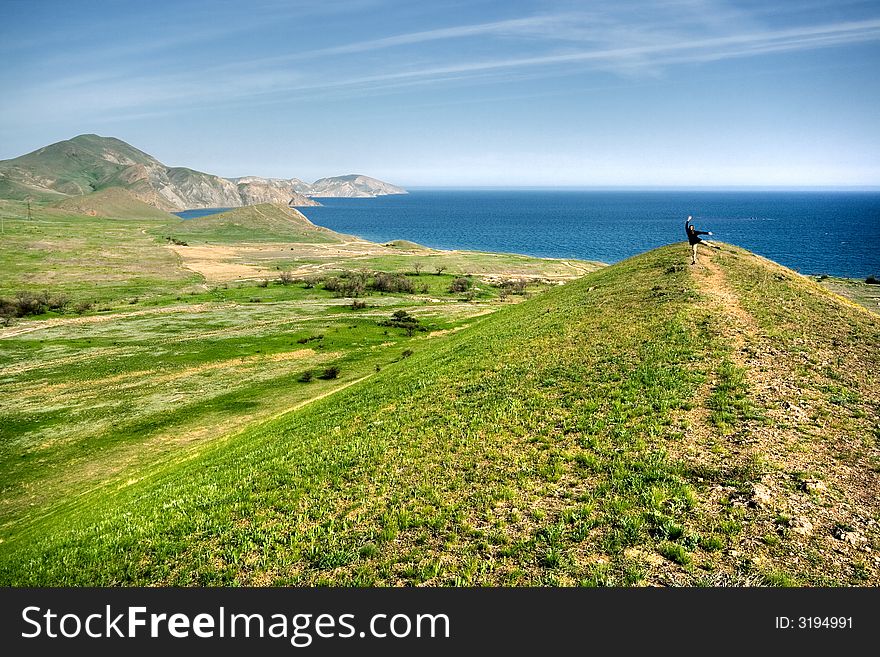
(672, 33)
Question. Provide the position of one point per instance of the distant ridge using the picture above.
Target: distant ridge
(353, 185)
(90, 163)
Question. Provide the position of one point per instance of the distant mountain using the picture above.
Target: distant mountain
(353, 186)
(90, 163)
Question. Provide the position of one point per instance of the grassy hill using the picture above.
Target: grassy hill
(649, 423)
(113, 202)
(76, 166)
(267, 222)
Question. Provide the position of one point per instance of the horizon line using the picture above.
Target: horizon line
(653, 188)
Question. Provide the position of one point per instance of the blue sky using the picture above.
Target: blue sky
(472, 93)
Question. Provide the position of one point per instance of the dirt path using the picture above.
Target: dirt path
(799, 492)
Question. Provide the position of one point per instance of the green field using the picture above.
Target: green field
(648, 423)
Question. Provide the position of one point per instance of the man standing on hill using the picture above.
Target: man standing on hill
(694, 238)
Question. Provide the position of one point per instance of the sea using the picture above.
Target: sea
(814, 232)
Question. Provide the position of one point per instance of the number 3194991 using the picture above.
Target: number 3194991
(814, 623)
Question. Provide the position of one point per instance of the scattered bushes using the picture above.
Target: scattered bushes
(347, 284)
(507, 287)
(26, 303)
(382, 282)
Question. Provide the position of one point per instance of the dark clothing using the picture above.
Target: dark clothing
(692, 233)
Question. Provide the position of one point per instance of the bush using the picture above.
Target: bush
(82, 307)
(286, 278)
(263, 283)
(872, 280)
(305, 377)
(32, 303)
(383, 282)
(347, 284)
(402, 319)
(358, 305)
(330, 372)
(461, 284)
(514, 286)
(406, 353)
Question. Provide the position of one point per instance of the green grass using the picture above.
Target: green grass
(86, 258)
(430, 456)
(537, 443)
(266, 222)
(729, 400)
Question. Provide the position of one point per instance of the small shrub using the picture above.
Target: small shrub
(358, 305)
(263, 283)
(872, 280)
(460, 284)
(82, 307)
(440, 269)
(406, 353)
(305, 377)
(402, 319)
(331, 372)
(286, 278)
(517, 286)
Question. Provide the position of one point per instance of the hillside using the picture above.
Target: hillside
(649, 423)
(266, 222)
(89, 163)
(112, 202)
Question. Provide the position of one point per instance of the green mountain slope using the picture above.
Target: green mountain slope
(113, 202)
(266, 222)
(650, 423)
(76, 166)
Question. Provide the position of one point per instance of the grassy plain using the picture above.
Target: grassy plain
(648, 423)
(149, 362)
